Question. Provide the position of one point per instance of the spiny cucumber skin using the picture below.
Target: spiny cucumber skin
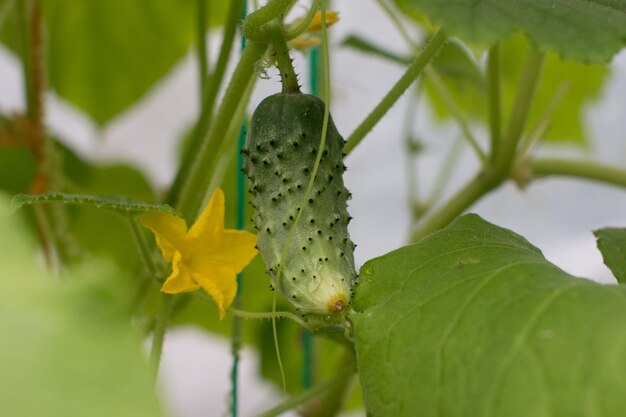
(279, 154)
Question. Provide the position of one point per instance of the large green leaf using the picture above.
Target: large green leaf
(612, 244)
(473, 321)
(67, 345)
(585, 30)
(104, 55)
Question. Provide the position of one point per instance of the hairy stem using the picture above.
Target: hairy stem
(521, 109)
(267, 316)
(41, 148)
(412, 72)
(203, 61)
(288, 77)
(329, 403)
(537, 133)
(160, 327)
(194, 186)
(587, 170)
(144, 250)
(495, 110)
(468, 195)
(252, 25)
(209, 96)
(306, 396)
(301, 27)
(455, 111)
(500, 170)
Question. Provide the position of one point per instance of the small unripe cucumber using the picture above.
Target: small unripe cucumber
(279, 154)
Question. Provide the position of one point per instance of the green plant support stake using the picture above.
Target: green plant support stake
(307, 337)
(241, 224)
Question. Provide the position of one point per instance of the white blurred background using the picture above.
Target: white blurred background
(557, 215)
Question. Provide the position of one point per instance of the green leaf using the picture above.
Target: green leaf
(584, 30)
(103, 56)
(612, 244)
(68, 348)
(473, 321)
(110, 203)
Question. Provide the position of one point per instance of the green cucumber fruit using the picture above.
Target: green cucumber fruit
(280, 150)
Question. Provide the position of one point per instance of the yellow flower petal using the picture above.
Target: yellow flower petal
(211, 221)
(180, 280)
(316, 24)
(221, 285)
(236, 249)
(169, 232)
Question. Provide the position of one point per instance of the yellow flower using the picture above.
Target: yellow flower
(206, 256)
(316, 24)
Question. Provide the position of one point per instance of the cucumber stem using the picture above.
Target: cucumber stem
(288, 76)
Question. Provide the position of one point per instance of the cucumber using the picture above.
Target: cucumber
(280, 150)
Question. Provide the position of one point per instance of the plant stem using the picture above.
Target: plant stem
(445, 173)
(252, 25)
(267, 316)
(209, 95)
(412, 72)
(500, 170)
(537, 132)
(288, 77)
(495, 110)
(468, 195)
(30, 42)
(455, 111)
(203, 62)
(160, 327)
(304, 397)
(303, 25)
(194, 186)
(587, 170)
(437, 83)
(521, 109)
(144, 251)
(330, 403)
(223, 155)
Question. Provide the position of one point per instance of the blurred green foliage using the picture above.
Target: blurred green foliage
(67, 349)
(103, 56)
